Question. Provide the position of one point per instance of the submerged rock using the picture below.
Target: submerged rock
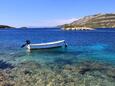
(62, 61)
(4, 79)
(31, 73)
(29, 64)
(110, 72)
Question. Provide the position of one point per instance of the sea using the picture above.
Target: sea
(91, 46)
(96, 45)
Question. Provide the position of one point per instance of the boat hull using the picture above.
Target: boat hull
(48, 45)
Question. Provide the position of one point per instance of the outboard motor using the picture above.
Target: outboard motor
(27, 43)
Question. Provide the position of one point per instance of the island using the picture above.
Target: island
(5, 26)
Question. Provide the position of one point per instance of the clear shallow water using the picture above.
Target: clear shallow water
(98, 45)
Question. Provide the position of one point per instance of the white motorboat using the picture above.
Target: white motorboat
(47, 45)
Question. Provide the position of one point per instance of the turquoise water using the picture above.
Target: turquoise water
(98, 45)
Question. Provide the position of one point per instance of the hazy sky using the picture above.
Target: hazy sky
(50, 12)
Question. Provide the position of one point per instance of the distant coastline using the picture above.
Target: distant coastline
(91, 22)
(5, 27)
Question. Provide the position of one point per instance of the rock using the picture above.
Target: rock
(2, 77)
(29, 64)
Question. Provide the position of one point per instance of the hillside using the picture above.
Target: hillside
(94, 21)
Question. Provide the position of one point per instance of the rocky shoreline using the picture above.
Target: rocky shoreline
(78, 28)
(31, 73)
